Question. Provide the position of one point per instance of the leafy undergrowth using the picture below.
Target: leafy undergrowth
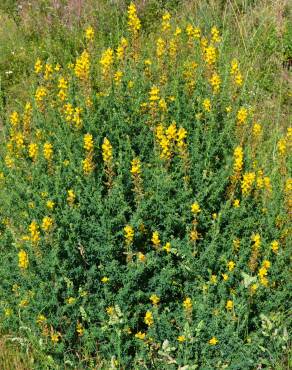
(142, 225)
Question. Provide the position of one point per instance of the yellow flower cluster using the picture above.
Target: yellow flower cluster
(88, 142)
(155, 239)
(48, 151)
(169, 139)
(165, 24)
(88, 165)
(47, 223)
(121, 49)
(134, 23)
(154, 299)
(107, 151)
(106, 61)
(210, 55)
(196, 208)
(160, 48)
(263, 272)
(238, 159)
(148, 319)
(135, 167)
(207, 105)
(40, 94)
(63, 88)
(82, 66)
(34, 232)
(71, 197)
(215, 82)
(247, 183)
(241, 115)
(235, 73)
(188, 305)
(89, 34)
(129, 234)
(23, 259)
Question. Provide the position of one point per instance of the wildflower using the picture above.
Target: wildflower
(23, 303)
(23, 259)
(71, 197)
(47, 223)
(71, 300)
(167, 247)
(89, 34)
(247, 182)
(50, 204)
(107, 151)
(128, 234)
(87, 165)
(120, 51)
(14, 119)
(236, 203)
(266, 264)
(160, 47)
(40, 94)
(215, 34)
(140, 335)
(238, 159)
(141, 257)
(105, 280)
(256, 130)
(275, 246)
(134, 23)
(196, 208)
(213, 341)
(181, 338)
(48, 71)
(55, 337)
(213, 279)
(82, 66)
(210, 55)
(148, 319)
(110, 310)
(165, 21)
(282, 147)
(229, 305)
(80, 329)
(154, 299)
(38, 66)
(48, 151)
(154, 93)
(136, 167)
(215, 82)
(241, 115)
(225, 277)
(106, 61)
(34, 232)
(118, 77)
(88, 142)
(207, 105)
(41, 319)
(155, 239)
(33, 151)
(254, 287)
(256, 238)
(187, 304)
(230, 265)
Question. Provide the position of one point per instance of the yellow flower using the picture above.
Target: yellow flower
(118, 77)
(55, 337)
(8, 312)
(165, 21)
(257, 129)
(141, 257)
(140, 335)
(88, 142)
(134, 23)
(38, 66)
(148, 319)
(266, 264)
(275, 246)
(71, 197)
(82, 66)
(41, 319)
(215, 34)
(34, 232)
(71, 300)
(229, 305)
(154, 299)
(47, 223)
(230, 265)
(128, 234)
(238, 159)
(256, 238)
(213, 341)
(106, 61)
(181, 338)
(225, 277)
(215, 82)
(155, 239)
(236, 203)
(23, 303)
(213, 279)
(160, 47)
(110, 310)
(87, 165)
(196, 208)
(210, 54)
(187, 304)
(48, 151)
(167, 247)
(247, 182)
(282, 147)
(105, 280)
(14, 119)
(107, 151)
(23, 259)
(50, 204)
(89, 33)
(207, 105)
(136, 167)
(33, 151)
(241, 115)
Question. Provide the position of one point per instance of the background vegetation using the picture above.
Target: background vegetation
(78, 290)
